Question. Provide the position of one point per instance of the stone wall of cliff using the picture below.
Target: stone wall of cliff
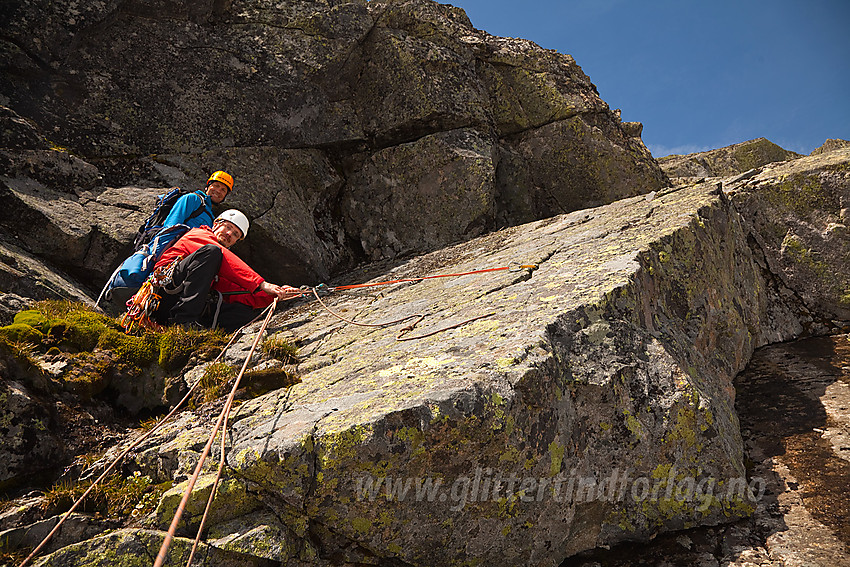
(585, 402)
(581, 402)
(355, 130)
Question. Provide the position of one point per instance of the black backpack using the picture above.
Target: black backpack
(164, 203)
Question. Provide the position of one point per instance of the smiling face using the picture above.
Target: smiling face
(226, 233)
(217, 191)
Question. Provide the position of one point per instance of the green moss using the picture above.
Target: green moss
(138, 352)
(82, 330)
(342, 447)
(90, 375)
(802, 194)
(281, 349)
(34, 319)
(258, 382)
(632, 423)
(215, 377)
(361, 525)
(21, 333)
(556, 454)
(794, 250)
(232, 500)
(177, 344)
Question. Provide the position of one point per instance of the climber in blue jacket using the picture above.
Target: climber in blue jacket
(192, 210)
(195, 209)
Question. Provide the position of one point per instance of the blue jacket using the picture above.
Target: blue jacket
(188, 204)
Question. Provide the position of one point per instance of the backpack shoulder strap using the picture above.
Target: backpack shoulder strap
(199, 210)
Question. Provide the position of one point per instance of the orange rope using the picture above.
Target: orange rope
(509, 267)
(403, 331)
(118, 459)
(163, 551)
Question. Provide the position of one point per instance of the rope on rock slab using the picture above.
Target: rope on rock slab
(512, 267)
(515, 267)
(123, 454)
(139, 318)
(163, 551)
(400, 336)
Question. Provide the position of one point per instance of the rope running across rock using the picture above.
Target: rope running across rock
(221, 424)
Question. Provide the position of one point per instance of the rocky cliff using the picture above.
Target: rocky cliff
(581, 398)
(584, 401)
(727, 161)
(349, 127)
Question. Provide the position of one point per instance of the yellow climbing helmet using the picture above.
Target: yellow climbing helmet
(223, 177)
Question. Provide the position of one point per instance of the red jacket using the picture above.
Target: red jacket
(234, 274)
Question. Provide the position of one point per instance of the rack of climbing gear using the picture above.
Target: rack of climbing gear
(142, 306)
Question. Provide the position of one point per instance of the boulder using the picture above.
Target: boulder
(800, 212)
(724, 162)
(829, 145)
(10, 305)
(23, 274)
(76, 528)
(128, 547)
(578, 163)
(579, 403)
(28, 446)
(421, 195)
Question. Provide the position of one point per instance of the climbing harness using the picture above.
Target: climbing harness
(142, 306)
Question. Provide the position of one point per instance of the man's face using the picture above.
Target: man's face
(217, 191)
(226, 233)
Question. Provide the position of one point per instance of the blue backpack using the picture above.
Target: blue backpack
(150, 242)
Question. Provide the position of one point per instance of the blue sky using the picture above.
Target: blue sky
(700, 74)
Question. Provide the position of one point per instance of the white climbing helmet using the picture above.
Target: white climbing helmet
(237, 218)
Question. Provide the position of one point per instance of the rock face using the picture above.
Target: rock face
(345, 124)
(727, 161)
(535, 412)
(536, 431)
(800, 211)
(830, 145)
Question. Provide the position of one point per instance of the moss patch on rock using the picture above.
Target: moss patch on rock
(21, 333)
(93, 348)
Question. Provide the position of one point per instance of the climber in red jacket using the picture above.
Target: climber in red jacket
(205, 264)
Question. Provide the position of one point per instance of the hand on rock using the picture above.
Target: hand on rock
(282, 292)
